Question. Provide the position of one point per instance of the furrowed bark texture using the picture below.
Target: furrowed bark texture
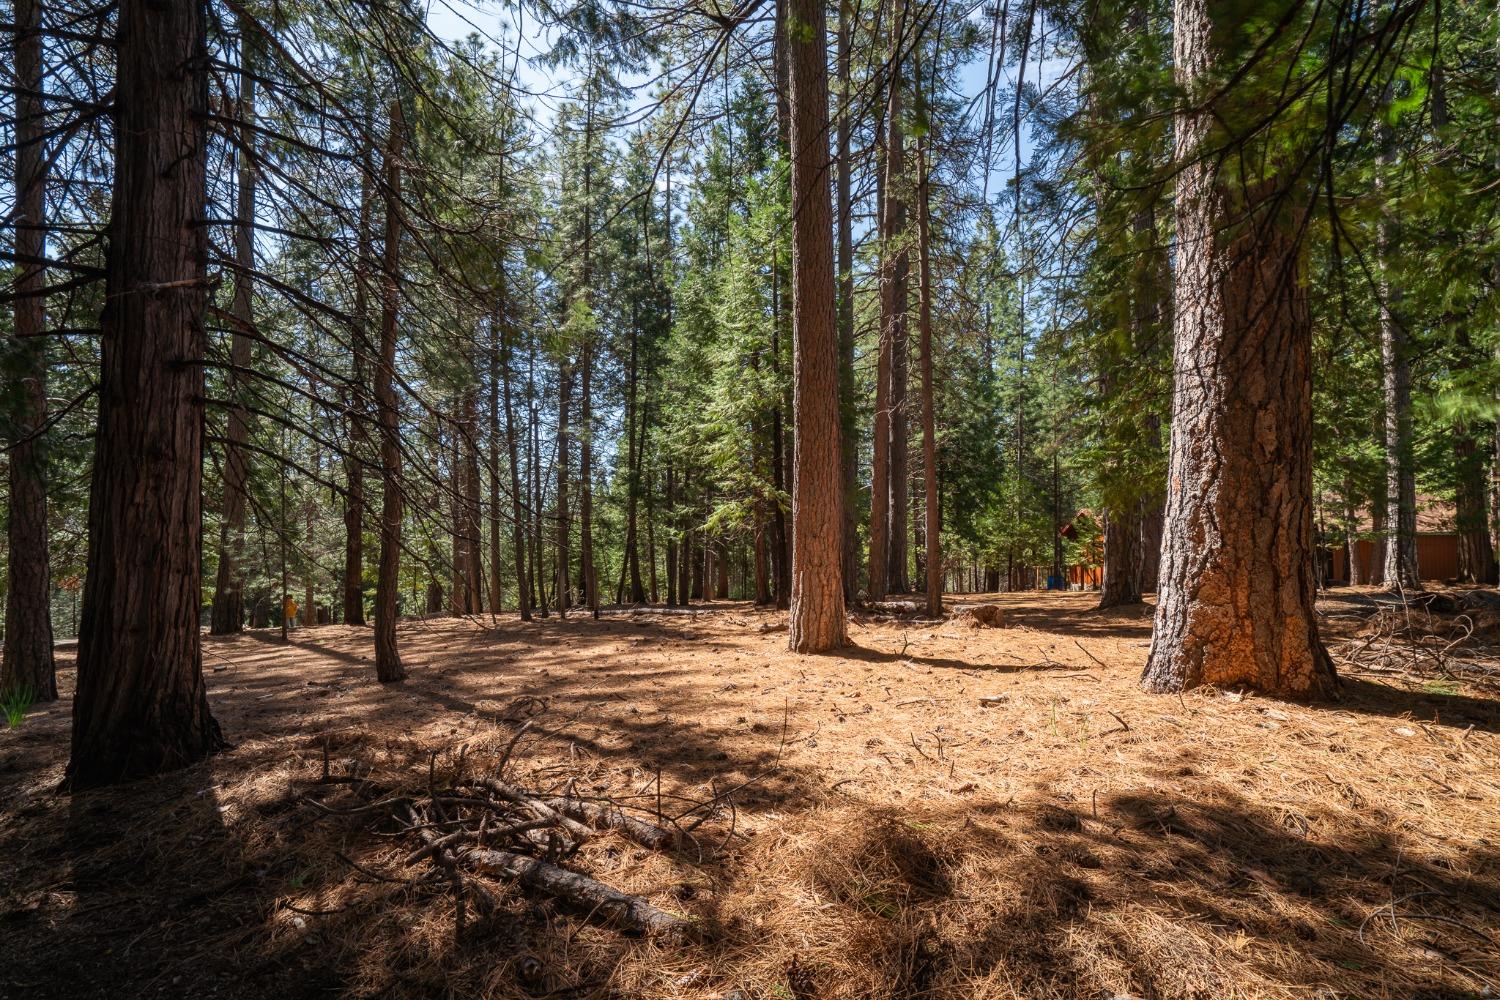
(817, 607)
(141, 706)
(1236, 603)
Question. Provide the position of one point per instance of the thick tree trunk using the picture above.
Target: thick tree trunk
(28, 668)
(141, 706)
(1237, 587)
(388, 667)
(932, 550)
(817, 607)
(227, 614)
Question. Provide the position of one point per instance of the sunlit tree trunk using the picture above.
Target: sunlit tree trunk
(817, 606)
(141, 706)
(932, 523)
(1237, 585)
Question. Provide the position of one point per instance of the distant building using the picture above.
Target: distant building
(1437, 545)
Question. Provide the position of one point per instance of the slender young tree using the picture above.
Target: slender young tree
(932, 523)
(845, 214)
(357, 451)
(817, 606)
(1237, 584)
(388, 668)
(28, 668)
(1401, 570)
(141, 706)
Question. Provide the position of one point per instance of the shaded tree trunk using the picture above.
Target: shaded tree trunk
(564, 403)
(817, 607)
(28, 667)
(470, 523)
(388, 668)
(1476, 556)
(141, 706)
(358, 415)
(847, 401)
(1237, 586)
(1401, 570)
(500, 371)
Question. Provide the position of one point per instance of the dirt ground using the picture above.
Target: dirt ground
(936, 811)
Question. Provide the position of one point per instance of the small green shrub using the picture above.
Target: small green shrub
(15, 703)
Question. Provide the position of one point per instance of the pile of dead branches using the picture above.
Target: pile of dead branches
(478, 828)
(1409, 638)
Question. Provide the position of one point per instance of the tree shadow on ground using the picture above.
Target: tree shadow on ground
(1147, 893)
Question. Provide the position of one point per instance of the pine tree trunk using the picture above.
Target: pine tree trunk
(564, 403)
(471, 524)
(1237, 587)
(388, 667)
(357, 418)
(847, 401)
(586, 487)
(500, 342)
(880, 471)
(227, 615)
(494, 442)
(817, 607)
(141, 706)
(28, 667)
(932, 551)
(893, 307)
(671, 543)
(536, 576)
(1401, 570)
(1476, 557)
(309, 556)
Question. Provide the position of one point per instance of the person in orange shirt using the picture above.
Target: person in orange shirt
(289, 612)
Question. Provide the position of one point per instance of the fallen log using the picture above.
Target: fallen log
(611, 817)
(579, 891)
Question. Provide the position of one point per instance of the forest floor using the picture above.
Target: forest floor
(893, 835)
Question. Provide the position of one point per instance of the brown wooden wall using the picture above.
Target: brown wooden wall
(1437, 558)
